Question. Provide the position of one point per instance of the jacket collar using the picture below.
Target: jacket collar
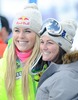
(49, 72)
(70, 57)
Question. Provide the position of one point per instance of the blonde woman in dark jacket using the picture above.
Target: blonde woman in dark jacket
(59, 81)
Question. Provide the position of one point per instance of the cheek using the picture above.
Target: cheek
(41, 47)
(32, 39)
(54, 50)
(14, 36)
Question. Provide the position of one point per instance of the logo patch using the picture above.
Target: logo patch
(23, 21)
(18, 74)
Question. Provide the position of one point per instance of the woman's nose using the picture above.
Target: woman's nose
(45, 46)
(21, 35)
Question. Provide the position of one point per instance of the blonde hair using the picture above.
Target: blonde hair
(10, 76)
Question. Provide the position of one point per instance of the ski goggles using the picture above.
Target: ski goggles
(53, 27)
(37, 73)
(38, 69)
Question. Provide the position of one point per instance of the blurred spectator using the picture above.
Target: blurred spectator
(5, 30)
(4, 33)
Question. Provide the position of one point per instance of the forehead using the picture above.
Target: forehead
(22, 28)
(46, 37)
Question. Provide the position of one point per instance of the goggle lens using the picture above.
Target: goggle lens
(51, 26)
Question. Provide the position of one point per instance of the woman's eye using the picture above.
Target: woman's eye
(50, 42)
(16, 30)
(41, 42)
(27, 31)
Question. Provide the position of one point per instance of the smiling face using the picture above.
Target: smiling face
(48, 48)
(24, 39)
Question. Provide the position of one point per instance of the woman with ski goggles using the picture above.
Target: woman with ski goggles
(55, 31)
(60, 78)
(50, 25)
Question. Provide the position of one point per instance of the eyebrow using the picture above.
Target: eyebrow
(16, 28)
(47, 40)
